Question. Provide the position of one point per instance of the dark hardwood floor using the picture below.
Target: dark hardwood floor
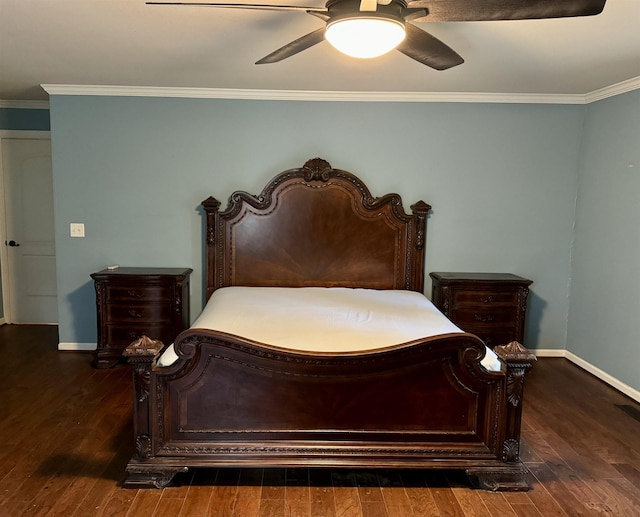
(65, 438)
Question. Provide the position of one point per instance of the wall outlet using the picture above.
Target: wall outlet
(76, 229)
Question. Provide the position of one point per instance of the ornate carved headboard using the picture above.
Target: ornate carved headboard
(315, 226)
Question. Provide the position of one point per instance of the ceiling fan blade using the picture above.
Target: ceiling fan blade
(428, 50)
(259, 7)
(487, 10)
(303, 43)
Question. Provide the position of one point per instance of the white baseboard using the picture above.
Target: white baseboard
(604, 376)
(593, 370)
(77, 347)
(550, 352)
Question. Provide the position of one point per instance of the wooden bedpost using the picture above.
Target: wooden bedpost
(420, 210)
(211, 206)
(141, 354)
(518, 361)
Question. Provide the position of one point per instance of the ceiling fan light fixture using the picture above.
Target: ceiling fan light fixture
(365, 35)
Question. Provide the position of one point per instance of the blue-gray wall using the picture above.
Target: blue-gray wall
(502, 180)
(605, 288)
(21, 119)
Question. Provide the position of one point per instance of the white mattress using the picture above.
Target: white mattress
(319, 319)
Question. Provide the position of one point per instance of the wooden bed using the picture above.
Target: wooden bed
(231, 402)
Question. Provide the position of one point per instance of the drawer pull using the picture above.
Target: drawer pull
(135, 314)
(486, 299)
(485, 318)
(135, 294)
(133, 335)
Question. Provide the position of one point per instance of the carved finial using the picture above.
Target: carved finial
(316, 169)
(211, 204)
(519, 360)
(143, 347)
(420, 208)
(514, 352)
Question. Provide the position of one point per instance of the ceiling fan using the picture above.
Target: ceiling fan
(369, 28)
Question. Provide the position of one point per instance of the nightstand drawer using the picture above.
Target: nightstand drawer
(494, 336)
(487, 298)
(128, 293)
(465, 317)
(123, 335)
(141, 313)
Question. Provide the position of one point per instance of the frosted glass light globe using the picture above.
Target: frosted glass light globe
(365, 37)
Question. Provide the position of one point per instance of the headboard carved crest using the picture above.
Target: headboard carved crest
(317, 169)
(315, 226)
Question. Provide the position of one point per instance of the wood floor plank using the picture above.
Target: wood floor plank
(620, 497)
(374, 509)
(246, 506)
(567, 500)
(629, 472)
(196, 501)
(368, 487)
(118, 503)
(525, 510)
(422, 501)
(273, 484)
(224, 493)
(145, 503)
(297, 501)
(545, 502)
(347, 501)
(345, 493)
(573, 482)
(271, 508)
(168, 507)
(394, 494)
(469, 500)
(321, 494)
(297, 493)
(443, 495)
(496, 504)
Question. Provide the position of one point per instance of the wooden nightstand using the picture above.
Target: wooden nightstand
(135, 301)
(491, 305)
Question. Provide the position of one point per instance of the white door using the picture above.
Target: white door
(29, 233)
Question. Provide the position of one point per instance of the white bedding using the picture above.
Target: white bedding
(322, 319)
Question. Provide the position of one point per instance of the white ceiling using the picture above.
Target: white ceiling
(128, 43)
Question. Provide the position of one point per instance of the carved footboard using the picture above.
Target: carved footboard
(231, 402)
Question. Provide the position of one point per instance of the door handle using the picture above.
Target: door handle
(13, 244)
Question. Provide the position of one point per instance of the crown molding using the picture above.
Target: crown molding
(38, 105)
(613, 90)
(300, 95)
(340, 96)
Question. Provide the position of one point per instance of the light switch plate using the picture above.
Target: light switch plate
(76, 229)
